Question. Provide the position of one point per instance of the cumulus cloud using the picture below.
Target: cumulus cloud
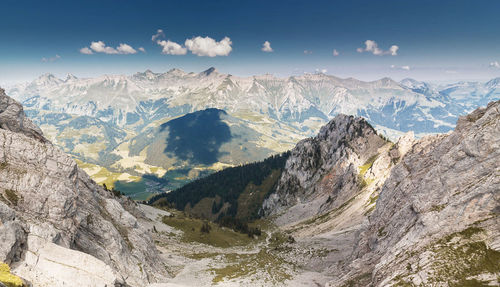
(171, 48)
(321, 71)
(266, 47)
(86, 51)
(335, 53)
(206, 46)
(407, 68)
(372, 47)
(51, 59)
(307, 52)
(393, 50)
(159, 34)
(142, 49)
(100, 47)
(495, 64)
(125, 49)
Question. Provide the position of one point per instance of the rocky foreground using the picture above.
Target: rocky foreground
(57, 227)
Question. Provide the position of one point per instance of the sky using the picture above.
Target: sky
(426, 40)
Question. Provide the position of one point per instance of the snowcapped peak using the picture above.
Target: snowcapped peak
(70, 77)
(176, 72)
(493, 83)
(47, 79)
(148, 75)
(386, 82)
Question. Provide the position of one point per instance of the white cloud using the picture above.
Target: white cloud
(100, 47)
(209, 47)
(171, 48)
(335, 53)
(51, 59)
(125, 49)
(321, 71)
(266, 47)
(86, 51)
(393, 50)
(142, 49)
(495, 64)
(159, 34)
(307, 52)
(372, 47)
(406, 68)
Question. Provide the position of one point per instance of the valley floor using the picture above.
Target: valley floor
(227, 258)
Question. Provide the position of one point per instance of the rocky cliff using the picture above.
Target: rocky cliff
(323, 173)
(436, 221)
(57, 226)
(414, 213)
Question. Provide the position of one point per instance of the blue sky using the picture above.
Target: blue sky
(436, 40)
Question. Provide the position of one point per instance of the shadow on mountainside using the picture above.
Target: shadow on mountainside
(197, 137)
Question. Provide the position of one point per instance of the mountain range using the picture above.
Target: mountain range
(114, 125)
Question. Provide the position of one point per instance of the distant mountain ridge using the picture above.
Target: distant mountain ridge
(143, 97)
(111, 123)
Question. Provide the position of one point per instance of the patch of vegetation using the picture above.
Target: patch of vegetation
(466, 233)
(217, 236)
(266, 263)
(364, 168)
(9, 279)
(373, 199)
(12, 196)
(205, 228)
(438, 208)
(402, 283)
(240, 226)
(252, 182)
(250, 201)
(469, 283)
(456, 261)
(3, 165)
(381, 232)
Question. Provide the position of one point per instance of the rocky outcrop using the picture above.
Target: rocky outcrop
(323, 173)
(436, 220)
(12, 118)
(57, 226)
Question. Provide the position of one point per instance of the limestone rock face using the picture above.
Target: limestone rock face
(322, 172)
(53, 215)
(436, 220)
(12, 118)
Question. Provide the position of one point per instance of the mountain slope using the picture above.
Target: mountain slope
(322, 172)
(436, 220)
(58, 227)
